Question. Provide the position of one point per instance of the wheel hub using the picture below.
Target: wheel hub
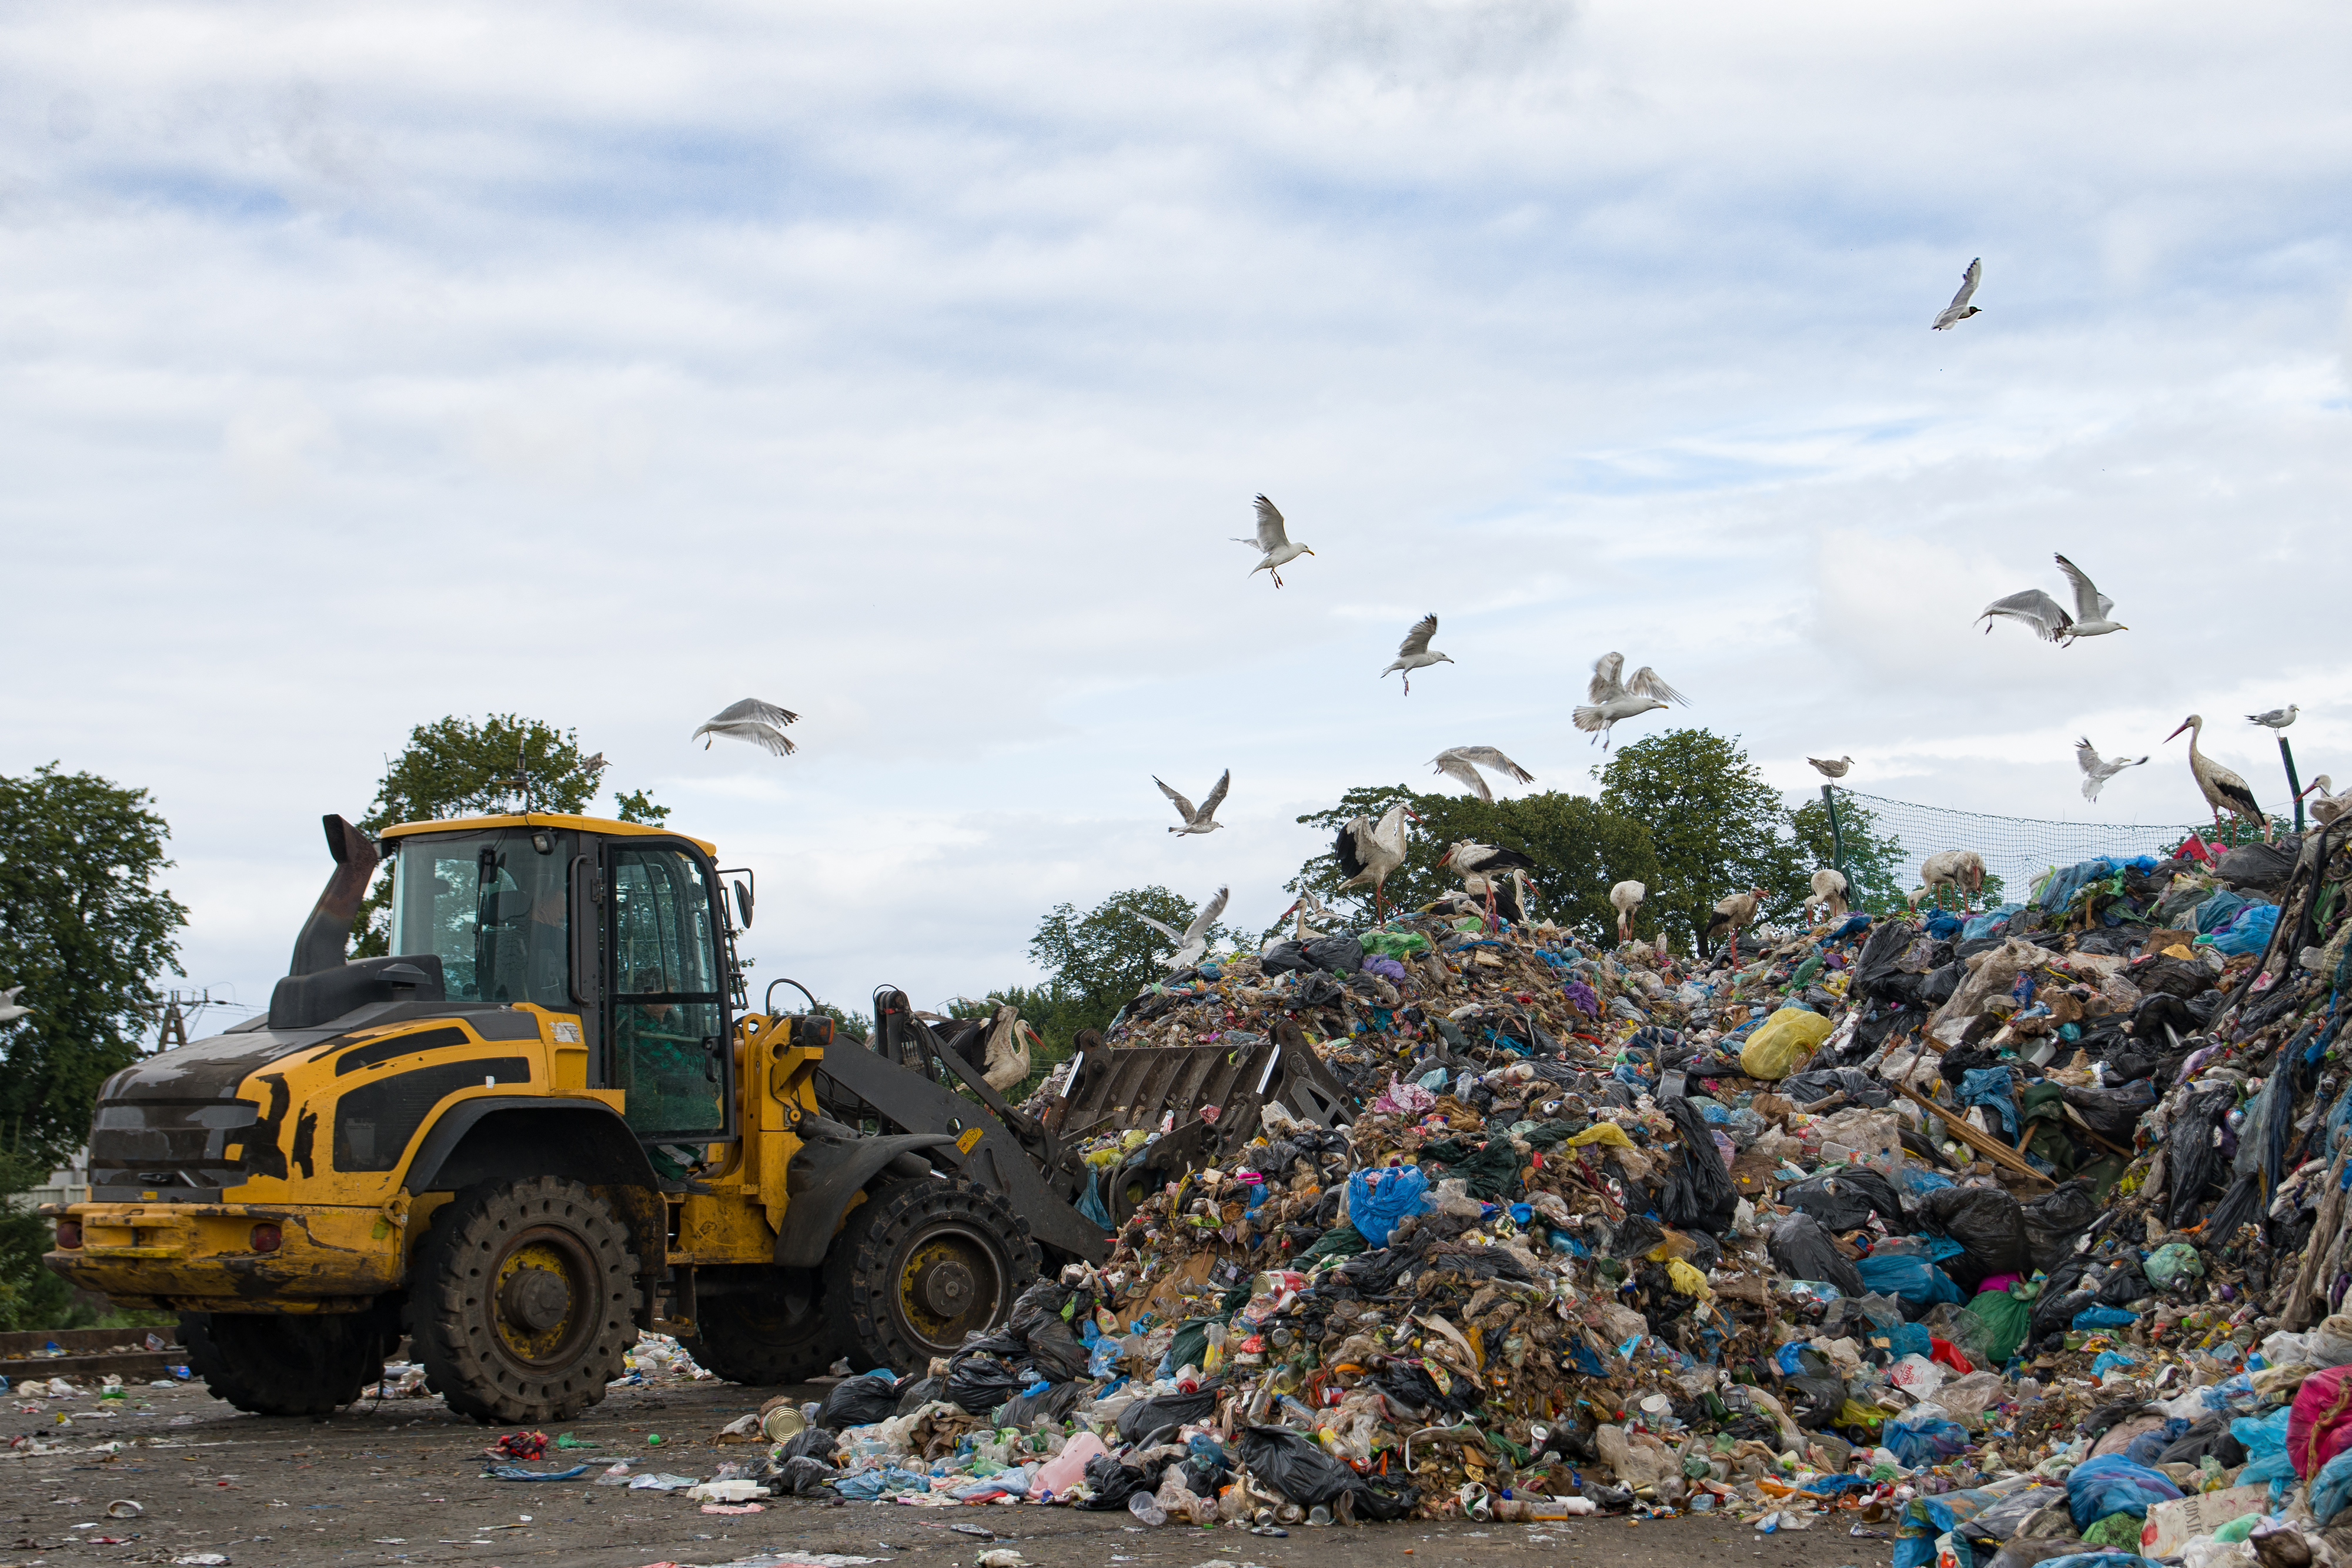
(536, 1300)
(946, 1287)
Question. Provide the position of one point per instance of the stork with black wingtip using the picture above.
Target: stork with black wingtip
(2223, 790)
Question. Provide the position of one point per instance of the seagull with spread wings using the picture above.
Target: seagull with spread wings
(2094, 613)
(1960, 309)
(1203, 818)
(1414, 652)
(1463, 762)
(2098, 769)
(10, 1011)
(762, 724)
(1272, 542)
(1192, 942)
(1615, 697)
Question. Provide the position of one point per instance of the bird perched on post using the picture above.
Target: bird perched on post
(760, 723)
(1960, 309)
(1203, 818)
(1962, 870)
(1481, 867)
(1463, 762)
(1370, 852)
(1611, 698)
(2093, 611)
(1829, 893)
(2277, 719)
(2223, 790)
(1626, 899)
(2098, 769)
(1272, 542)
(1413, 652)
(1192, 942)
(1836, 769)
(1732, 914)
(2323, 811)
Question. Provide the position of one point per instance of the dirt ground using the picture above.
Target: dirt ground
(400, 1482)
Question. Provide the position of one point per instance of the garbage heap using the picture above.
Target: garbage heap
(2018, 1235)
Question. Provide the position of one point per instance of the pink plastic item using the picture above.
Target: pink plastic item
(1061, 1474)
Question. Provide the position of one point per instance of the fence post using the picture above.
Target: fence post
(2294, 786)
(1837, 842)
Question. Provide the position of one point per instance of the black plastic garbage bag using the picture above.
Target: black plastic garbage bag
(1286, 958)
(1801, 1248)
(1813, 1403)
(1055, 1351)
(2054, 1219)
(1339, 955)
(1410, 1387)
(2192, 1165)
(914, 1392)
(1699, 1193)
(1111, 1483)
(803, 1475)
(2124, 1287)
(1847, 1200)
(1145, 1417)
(1859, 1088)
(2261, 867)
(2113, 1113)
(859, 1402)
(1039, 1305)
(1052, 1404)
(980, 1383)
(1984, 1219)
(2210, 1436)
(809, 1442)
(1296, 1466)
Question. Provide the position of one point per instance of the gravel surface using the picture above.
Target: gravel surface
(401, 1481)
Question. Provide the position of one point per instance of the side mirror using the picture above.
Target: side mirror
(743, 905)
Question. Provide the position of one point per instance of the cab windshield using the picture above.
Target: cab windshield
(494, 907)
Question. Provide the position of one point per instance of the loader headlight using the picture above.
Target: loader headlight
(69, 1234)
(267, 1238)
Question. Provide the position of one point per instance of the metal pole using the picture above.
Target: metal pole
(1837, 842)
(2293, 788)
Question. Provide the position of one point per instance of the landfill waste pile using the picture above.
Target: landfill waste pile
(2017, 1237)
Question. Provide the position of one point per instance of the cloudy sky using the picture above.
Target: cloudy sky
(914, 366)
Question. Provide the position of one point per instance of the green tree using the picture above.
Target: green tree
(1873, 863)
(1095, 963)
(456, 768)
(1582, 849)
(87, 933)
(637, 806)
(1716, 826)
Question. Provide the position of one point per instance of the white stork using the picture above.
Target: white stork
(1829, 892)
(2223, 790)
(1733, 914)
(1962, 870)
(1483, 868)
(1626, 899)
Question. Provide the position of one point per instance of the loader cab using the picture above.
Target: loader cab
(623, 927)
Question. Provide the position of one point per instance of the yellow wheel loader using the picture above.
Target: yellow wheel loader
(551, 1121)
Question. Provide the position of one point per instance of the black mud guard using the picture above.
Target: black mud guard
(822, 1180)
(583, 1139)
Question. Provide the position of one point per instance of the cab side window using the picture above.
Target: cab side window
(669, 1028)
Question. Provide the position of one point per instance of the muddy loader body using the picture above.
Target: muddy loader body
(550, 1120)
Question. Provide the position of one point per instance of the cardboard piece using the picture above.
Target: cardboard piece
(2173, 1525)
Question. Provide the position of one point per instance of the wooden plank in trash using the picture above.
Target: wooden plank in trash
(1991, 1147)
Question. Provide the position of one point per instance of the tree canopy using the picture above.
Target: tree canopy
(1716, 826)
(87, 933)
(1095, 963)
(1873, 861)
(456, 768)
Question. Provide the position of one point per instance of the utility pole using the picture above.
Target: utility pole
(1837, 840)
(2294, 786)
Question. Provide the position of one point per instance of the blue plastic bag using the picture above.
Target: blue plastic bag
(1092, 1204)
(2103, 1318)
(2331, 1488)
(2112, 1484)
(1925, 1435)
(2252, 933)
(1378, 1198)
(1914, 1279)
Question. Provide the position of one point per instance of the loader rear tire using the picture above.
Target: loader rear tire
(756, 1338)
(919, 1265)
(269, 1363)
(525, 1301)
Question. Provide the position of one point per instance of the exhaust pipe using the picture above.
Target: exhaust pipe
(328, 932)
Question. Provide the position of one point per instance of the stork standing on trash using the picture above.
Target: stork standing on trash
(1481, 867)
(2223, 790)
(1370, 852)
(1626, 899)
(1732, 915)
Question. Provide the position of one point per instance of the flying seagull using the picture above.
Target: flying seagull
(1960, 309)
(1200, 819)
(1828, 770)
(1192, 942)
(1613, 697)
(1463, 762)
(1272, 542)
(2098, 769)
(760, 723)
(2277, 719)
(2091, 617)
(1413, 652)
(10, 1011)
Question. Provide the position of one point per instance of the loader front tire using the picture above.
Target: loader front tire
(919, 1265)
(759, 1338)
(525, 1301)
(291, 1364)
